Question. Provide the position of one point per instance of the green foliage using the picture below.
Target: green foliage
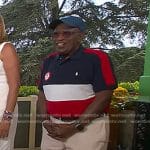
(125, 95)
(128, 63)
(130, 86)
(31, 61)
(28, 90)
(28, 20)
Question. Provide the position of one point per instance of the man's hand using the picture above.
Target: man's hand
(4, 128)
(59, 131)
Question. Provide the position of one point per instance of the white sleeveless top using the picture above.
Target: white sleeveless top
(3, 85)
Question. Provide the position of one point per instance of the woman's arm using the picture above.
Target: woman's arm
(11, 65)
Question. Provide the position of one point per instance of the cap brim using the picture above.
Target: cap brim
(54, 24)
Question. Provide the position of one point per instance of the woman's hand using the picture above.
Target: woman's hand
(4, 128)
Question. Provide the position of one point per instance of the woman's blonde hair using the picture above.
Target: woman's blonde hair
(3, 34)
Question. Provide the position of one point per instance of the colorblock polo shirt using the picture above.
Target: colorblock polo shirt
(70, 84)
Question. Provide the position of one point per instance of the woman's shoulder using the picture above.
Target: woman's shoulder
(6, 45)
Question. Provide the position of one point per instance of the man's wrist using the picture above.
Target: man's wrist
(79, 125)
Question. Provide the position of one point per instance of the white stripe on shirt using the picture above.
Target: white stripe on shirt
(64, 92)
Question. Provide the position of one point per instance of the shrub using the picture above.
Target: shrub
(28, 90)
(131, 87)
(120, 92)
(124, 95)
(120, 97)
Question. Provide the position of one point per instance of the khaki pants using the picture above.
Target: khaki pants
(95, 137)
(8, 143)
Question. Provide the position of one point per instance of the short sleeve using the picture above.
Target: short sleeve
(103, 73)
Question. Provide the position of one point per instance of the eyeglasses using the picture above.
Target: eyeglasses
(65, 33)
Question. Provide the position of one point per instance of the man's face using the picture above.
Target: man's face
(66, 39)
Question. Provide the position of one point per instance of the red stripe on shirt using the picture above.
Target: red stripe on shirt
(105, 65)
(68, 108)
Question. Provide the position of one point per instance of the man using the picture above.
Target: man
(76, 86)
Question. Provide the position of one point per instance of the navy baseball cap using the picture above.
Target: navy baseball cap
(72, 21)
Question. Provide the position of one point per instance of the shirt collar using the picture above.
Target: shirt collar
(76, 55)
